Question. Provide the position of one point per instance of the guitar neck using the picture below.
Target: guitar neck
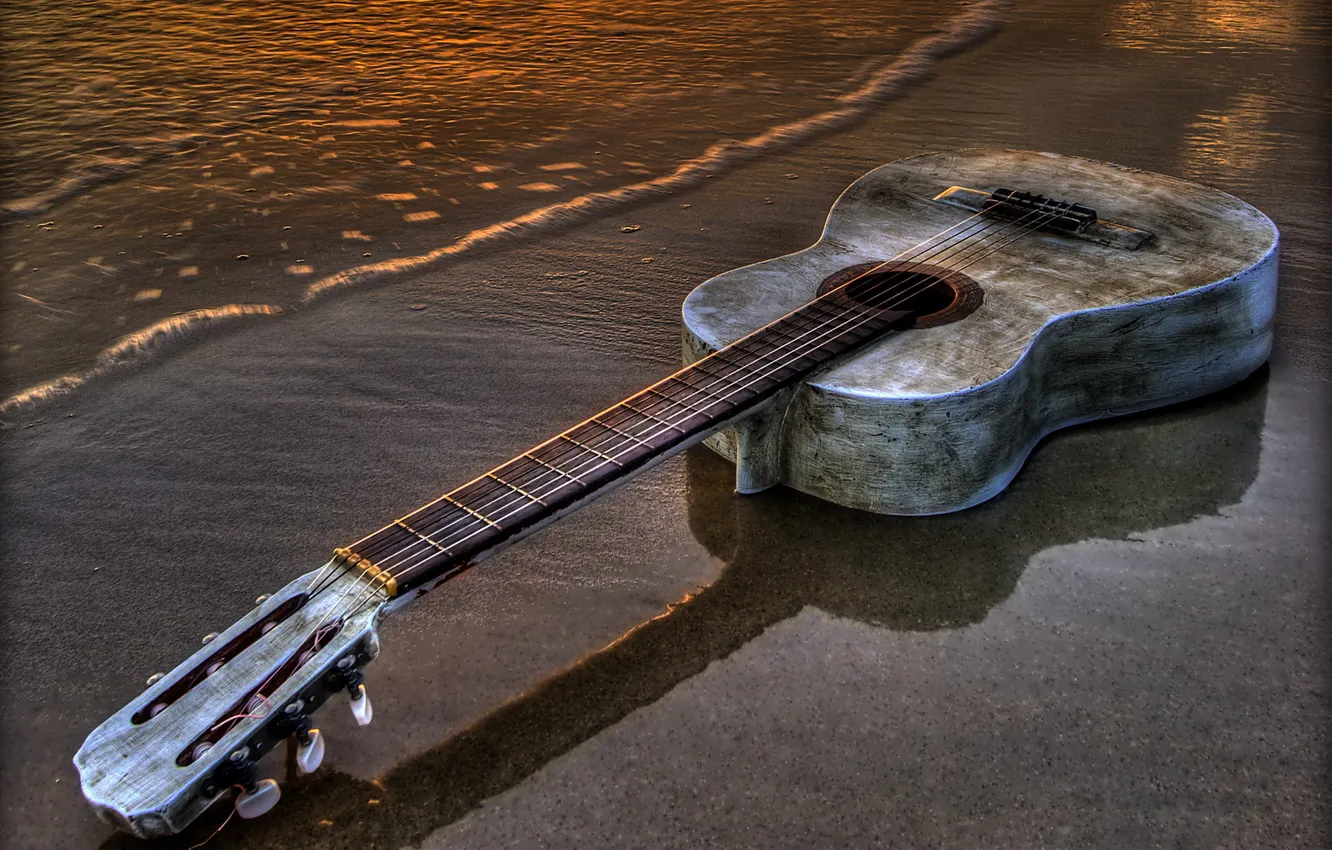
(446, 536)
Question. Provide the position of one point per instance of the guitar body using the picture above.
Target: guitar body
(1172, 298)
(907, 363)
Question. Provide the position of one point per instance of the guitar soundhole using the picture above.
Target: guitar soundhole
(937, 295)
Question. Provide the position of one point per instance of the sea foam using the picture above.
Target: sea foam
(141, 345)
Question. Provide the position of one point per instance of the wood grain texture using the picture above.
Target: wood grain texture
(937, 420)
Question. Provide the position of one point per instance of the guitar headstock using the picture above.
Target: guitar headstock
(195, 735)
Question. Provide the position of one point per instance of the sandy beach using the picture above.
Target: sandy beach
(1127, 648)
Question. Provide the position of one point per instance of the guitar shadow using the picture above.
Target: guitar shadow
(784, 551)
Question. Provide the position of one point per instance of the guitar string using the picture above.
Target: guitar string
(423, 516)
(431, 545)
(361, 601)
(506, 493)
(864, 316)
(366, 596)
(822, 330)
(364, 586)
(319, 576)
(857, 319)
(310, 588)
(972, 243)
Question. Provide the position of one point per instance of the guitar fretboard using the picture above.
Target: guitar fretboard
(444, 537)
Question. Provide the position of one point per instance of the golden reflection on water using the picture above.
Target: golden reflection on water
(1236, 139)
(1210, 26)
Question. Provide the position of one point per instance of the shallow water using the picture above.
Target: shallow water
(169, 157)
(192, 486)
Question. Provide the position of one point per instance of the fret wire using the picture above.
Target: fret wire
(652, 417)
(532, 473)
(440, 546)
(737, 349)
(680, 378)
(515, 488)
(775, 346)
(628, 404)
(797, 326)
(761, 359)
(622, 433)
(386, 536)
(771, 344)
(726, 356)
(708, 367)
(655, 391)
(565, 436)
(819, 312)
(521, 470)
(487, 520)
(787, 325)
(722, 357)
(780, 331)
(554, 469)
(644, 404)
(434, 506)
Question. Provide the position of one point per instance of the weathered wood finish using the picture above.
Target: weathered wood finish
(937, 420)
(129, 772)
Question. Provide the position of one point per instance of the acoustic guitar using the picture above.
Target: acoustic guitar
(958, 307)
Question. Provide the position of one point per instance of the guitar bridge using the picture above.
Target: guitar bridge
(1058, 215)
(1069, 219)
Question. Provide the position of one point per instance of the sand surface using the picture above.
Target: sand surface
(1128, 648)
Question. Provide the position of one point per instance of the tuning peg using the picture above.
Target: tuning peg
(347, 676)
(295, 721)
(361, 708)
(258, 800)
(310, 754)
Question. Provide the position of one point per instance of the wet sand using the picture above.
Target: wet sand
(1127, 648)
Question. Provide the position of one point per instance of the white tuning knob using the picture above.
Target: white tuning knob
(361, 708)
(260, 801)
(310, 754)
